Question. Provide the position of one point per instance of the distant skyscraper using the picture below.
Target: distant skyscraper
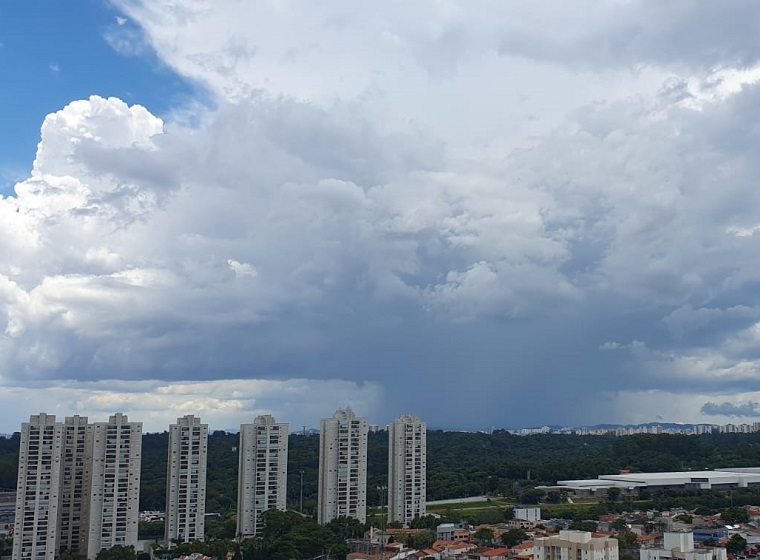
(115, 447)
(186, 480)
(262, 472)
(74, 493)
(38, 488)
(342, 467)
(407, 469)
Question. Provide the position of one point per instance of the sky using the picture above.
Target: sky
(488, 214)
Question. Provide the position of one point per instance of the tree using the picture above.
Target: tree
(589, 526)
(613, 494)
(421, 540)
(311, 539)
(509, 513)
(734, 515)
(553, 497)
(532, 496)
(338, 551)
(484, 536)
(150, 530)
(425, 522)
(619, 525)
(346, 528)
(279, 523)
(117, 552)
(513, 537)
(64, 555)
(736, 544)
(627, 540)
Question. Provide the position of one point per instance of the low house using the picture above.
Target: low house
(488, 554)
(523, 551)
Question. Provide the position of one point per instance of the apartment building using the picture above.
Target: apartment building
(262, 472)
(115, 449)
(575, 545)
(342, 467)
(407, 469)
(680, 546)
(186, 481)
(75, 467)
(38, 489)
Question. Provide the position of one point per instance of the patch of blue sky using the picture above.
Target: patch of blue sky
(52, 53)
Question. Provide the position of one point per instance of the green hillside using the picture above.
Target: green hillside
(459, 463)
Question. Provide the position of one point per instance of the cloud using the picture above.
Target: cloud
(54, 68)
(636, 34)
(406, 206)
(742, 409)
(225, 404)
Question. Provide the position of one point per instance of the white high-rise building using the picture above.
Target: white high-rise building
(262, 472)
(75, 468)
(343, 467)
(115, 447)
(37, 489)
(186, 480)
(407, 469)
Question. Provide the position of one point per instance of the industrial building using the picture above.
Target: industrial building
(719, 479)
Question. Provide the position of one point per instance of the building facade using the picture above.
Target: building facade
(186, 480)
(75, 467)
(114, 484)
(680, 546)
(407, 469)
(342, 467)
(575, 545)
(38, 489)
(262, 472)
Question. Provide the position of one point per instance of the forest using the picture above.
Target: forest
(459, 463)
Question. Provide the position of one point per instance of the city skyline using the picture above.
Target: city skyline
(236, 209)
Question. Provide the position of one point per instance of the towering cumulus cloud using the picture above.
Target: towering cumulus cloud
(541, 221)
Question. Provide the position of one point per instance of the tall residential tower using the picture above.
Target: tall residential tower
(262, 472)
(407, 469)
(343, 467)
(114, 490)
(186, 480)
(38, 489)
(75, 473)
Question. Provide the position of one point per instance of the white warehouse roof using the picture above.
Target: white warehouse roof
(739, 477)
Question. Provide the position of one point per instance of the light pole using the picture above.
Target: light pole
(302, 492)
(382, 490)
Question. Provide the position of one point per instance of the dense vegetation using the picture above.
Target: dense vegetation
(460, 464)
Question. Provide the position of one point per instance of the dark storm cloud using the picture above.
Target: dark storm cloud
(749, 409)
